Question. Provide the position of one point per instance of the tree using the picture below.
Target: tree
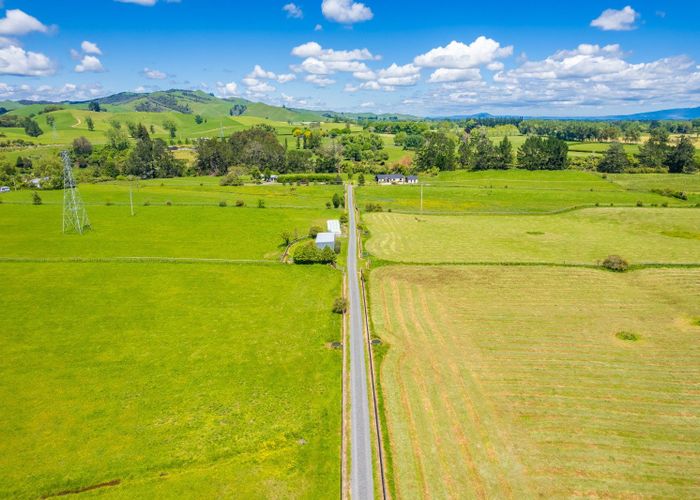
(654, 152)
(36, 199)
(49, 169)
(50, 120)
(615, 160)
(82, 147)
(337, 200)
(437, 151)
(31, 128)
(504, 154)
(299, 160)
(361, 179)
(152, 159)
(213, 156)
(484, 155)
(286, 238)
(464, 152)
(198, 119)
(681, 159)
(94, 106)
(543, 154)
(90, 123)
(117, 138)
(329, 156)
(171, 127)
(632, 132)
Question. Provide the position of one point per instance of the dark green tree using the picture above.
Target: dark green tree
(484, 156)
(464, 152)
(504, 154)
(95, 106)
(90, 124)
(615, 160)
(32, 128)
(654, 153)
(437, 151)
(681, 159)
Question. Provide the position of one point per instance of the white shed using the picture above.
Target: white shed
(325, 240)
(333, 226)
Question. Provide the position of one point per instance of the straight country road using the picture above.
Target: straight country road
(362, 476)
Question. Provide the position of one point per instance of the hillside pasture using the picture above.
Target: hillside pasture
(169, 380)
(640, 235)
(504, 382)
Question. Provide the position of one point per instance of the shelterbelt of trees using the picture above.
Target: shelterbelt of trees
(430, 147)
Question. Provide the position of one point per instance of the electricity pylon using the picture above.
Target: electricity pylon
(75, 219)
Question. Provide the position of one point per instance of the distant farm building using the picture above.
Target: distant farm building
(325, 240)
(4, 189)
(333, 226)
(396, 179)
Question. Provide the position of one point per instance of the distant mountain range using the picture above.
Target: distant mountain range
(199, 102)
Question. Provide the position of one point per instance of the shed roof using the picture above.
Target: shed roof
(325, 238)
(333, 226)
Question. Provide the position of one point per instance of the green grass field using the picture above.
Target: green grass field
(452, 199)
(150, 351)
(504, 382)
(641, 235)
(194, 380)
(190, 191)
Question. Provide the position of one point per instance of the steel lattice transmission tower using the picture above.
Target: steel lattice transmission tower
(75, 219)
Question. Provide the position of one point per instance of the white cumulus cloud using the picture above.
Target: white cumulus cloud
(18, 23)
(90, 48)
(457, 55)
(154, 74)
(229, 89)
(293, 11)
(318, 80)
(442, 75)
(616, 20)
(89, 64)
(16, 61)
(346, 11)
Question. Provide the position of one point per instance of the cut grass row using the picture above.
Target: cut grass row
(512, 382)
(582, 237)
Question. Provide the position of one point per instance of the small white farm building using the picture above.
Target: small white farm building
(325, 240)
(396, 179)
(333, 226)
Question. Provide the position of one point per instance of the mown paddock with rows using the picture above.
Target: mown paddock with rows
(588, 236)
(517, 381)
(175, 379)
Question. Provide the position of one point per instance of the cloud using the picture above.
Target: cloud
(319, 67)
(318, 27)
(442, 75)
(18, 23)
(586, 77)
(259, 73)
(368, 104)
(457, 55)
(319, 81)
(16, 61)
(145, 3)
(65, 92)
(395, 75)
(346, 11)
(313, 49)
(616, 20)
(226, 89)
(89, 64)
(293, 11)
(154, 74)
(90, 48)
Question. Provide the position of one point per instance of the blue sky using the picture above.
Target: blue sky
(428, 58)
